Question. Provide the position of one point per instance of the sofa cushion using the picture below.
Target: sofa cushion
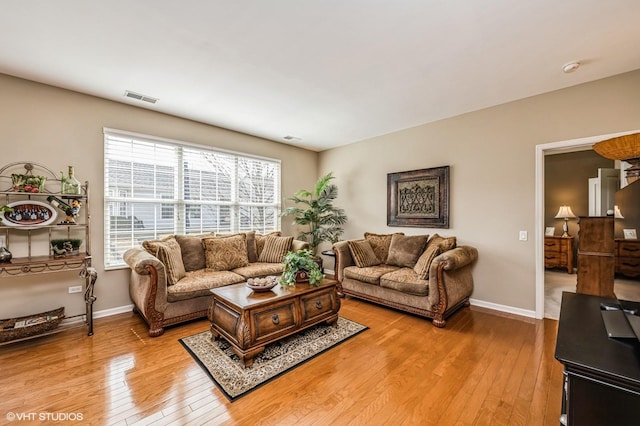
(260, 240)
(259, 269)
(405, 250)
(362, 253)
(370, 274)
(275, 248)
(167, 250)
(226, 253)
(193, 251)
(405, 280)
(380, 244)
(198, 283)
(424, 262)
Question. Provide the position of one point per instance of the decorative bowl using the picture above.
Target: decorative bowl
(262, 284)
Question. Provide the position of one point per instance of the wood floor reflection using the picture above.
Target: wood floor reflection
(483, 368)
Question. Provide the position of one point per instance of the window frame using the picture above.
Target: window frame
(181, 175)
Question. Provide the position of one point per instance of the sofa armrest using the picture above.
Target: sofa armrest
(299, 245)
(450, 279)
(147, 283)
(343, 259)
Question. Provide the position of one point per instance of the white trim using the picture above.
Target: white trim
(113, 311)
(571, 145)
(503, 308)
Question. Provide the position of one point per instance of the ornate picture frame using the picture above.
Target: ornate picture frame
(419, 198)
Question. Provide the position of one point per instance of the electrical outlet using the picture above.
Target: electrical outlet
(523, 236)
(75, 289)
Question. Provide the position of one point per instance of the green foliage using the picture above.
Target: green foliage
(59, 244)
(318, 213)
(3, 209)
(297, 261)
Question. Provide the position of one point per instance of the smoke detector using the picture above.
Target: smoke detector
(570, 67)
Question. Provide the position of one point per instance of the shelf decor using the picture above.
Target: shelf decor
(419, 198)
(29, 213)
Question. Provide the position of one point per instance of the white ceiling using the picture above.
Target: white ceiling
(330, 72)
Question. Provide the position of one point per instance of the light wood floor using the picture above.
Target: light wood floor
(482, 369)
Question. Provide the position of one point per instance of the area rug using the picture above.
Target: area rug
(224, 367)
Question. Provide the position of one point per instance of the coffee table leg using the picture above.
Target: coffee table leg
(247, 357)
(214, 334)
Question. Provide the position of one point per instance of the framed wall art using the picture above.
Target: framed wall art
(419, 198)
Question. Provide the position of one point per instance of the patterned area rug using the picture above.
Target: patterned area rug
(224, 367)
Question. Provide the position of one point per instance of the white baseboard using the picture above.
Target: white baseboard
(113, 311)
(503, 308)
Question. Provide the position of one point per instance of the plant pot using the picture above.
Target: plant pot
(302, 276)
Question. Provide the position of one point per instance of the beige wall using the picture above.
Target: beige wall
(57, 128)
(492, 157)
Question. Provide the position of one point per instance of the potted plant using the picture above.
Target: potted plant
(318, 213)
(300, 266)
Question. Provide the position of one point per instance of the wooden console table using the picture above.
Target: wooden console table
(250, 320)
(602, 375)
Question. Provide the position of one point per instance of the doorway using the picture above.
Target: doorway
(541, 152)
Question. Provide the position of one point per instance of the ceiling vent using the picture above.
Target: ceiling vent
(139, 97)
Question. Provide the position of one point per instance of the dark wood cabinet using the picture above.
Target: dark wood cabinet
(596, 256)
(602, 375)
(628, 257)
(558, 252)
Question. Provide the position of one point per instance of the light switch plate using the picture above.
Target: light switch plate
(523, 236)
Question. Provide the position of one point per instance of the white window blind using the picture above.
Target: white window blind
(155, 187)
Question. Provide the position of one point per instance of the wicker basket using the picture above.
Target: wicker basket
(30, 325)
(620, 148)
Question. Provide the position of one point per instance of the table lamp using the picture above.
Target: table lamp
(566, 214)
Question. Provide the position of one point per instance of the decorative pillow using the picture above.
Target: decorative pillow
(424, 262)
(405, 249)
(275, 248)
(252, 252)
(380, 244)
(363, 254)
(252, 248)
(193, 251)
(167, 250)
(445, 243)
(225, 253)
(260, 239)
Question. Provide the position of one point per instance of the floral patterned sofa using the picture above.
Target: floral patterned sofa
(426, 276)
(171, 278)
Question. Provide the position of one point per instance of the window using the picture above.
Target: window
(156, 187)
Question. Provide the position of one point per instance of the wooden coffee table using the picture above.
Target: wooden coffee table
(250, 320)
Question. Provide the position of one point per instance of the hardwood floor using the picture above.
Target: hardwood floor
(482, 369)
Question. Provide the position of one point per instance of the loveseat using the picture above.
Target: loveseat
(171, 278)
(431, 277)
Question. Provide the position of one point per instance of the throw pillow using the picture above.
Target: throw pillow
(362, 253)
(252, 252)
(192, 251)
(424, 262)
(380, 244)
(260, 240)
(226, 253)
(275, 248)
(167, 250)
(405, 249)
(445, 243)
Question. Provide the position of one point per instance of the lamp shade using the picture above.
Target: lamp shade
(565, 213)
(620, 148)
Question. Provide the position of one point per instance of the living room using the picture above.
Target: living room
(493, 157)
